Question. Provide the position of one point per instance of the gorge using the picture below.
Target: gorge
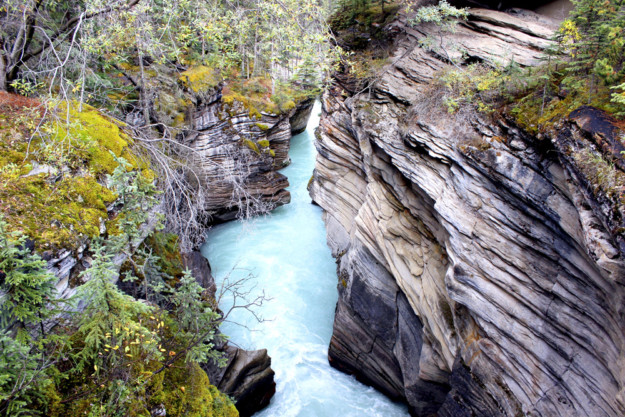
(445, 238)
(290, 263)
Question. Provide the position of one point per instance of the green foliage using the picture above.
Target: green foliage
(442, 14)
(363, 14)
(120, 356)
(165, 247)
(27, 299)
(109, 326)
(593, 40)
(269, 38)
(601, 173)
(25, 88)
(137, 195)
(26, 287)
(259, 95)
(619, 99)
(197, 320)
(476, 87)
(22, 382)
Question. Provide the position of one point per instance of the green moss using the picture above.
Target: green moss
(262, 126)
(59, 211)
(59, 214)
(92, 137)
(165, 246)
(255, 95)
(251, 145)
(263, 143)
(272, 153)
(178, 120)
(534, 116)
(200, 78)
(185, 390)
(288, 105)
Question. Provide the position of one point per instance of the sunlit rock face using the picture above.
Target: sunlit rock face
(477, 275)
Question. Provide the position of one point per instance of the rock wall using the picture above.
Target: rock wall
(478, 276)
(239, 155)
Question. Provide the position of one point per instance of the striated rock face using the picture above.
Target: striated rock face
(299, 119)
(239, 155)
(478, 273)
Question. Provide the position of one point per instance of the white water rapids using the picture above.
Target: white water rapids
(287, 254)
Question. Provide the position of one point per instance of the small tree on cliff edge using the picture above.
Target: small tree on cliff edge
(594, 38)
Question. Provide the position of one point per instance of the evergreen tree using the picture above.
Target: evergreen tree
(27, 293)
(594, 37)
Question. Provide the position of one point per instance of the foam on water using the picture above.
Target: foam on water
(289, 260)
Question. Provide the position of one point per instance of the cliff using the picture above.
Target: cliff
(480, 273)
(63, 204)
(238, 132)
(239, 155)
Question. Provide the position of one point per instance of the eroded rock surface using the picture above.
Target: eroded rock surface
(239, 155)
(477, 274)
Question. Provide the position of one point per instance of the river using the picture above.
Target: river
(287, 255)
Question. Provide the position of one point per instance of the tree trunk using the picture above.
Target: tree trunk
(3, 75)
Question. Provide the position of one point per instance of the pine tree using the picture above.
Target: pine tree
(27, 292)
(110, 325)
(594, 37)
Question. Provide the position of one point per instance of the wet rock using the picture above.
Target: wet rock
(248, 378)
(200, 269)
(299, 120)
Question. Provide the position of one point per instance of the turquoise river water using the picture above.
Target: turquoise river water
(287, 255)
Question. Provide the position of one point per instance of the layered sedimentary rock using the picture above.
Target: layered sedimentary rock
(479, 275)
(239, 154)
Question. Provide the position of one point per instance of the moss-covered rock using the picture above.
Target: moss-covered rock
(96, 137)
(200, 78)
(165, 246)
(251, 145)
(185, 390)
(52, 178)
(257, 96)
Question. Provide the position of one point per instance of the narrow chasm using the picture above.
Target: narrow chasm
(284, 257)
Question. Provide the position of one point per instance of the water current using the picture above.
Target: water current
(287, 257)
